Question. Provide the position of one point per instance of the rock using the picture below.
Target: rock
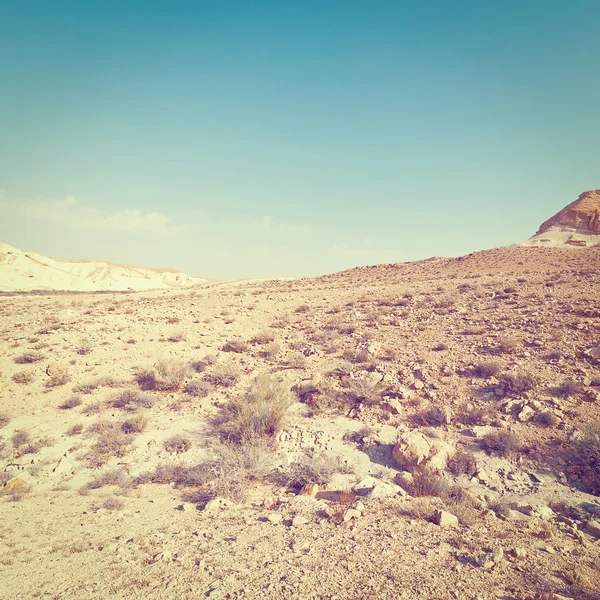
(418, 385)
(404, 479)
(275, 518)
(519, 552)
(375, 489)
(445, 519)
(542, 511)
(526, 414)
(217, 504)
(298, 521)
(392, 405)
(593, 352)
(583, 215)
(351, 513)
(416, 449)
(310, 489)
(593, 527)
(360, 507)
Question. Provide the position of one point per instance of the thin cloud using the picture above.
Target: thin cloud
(72, 213)
(270, 223)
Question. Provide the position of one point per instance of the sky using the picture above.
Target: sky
(292, 138)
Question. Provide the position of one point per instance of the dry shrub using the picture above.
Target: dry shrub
(88, 388)
(23, 378)
(112, 442)
(568, 388)
(270, 350)
(584, 459)
(198, 389)
(504, 443)
(519, 383)
(365, 391)
(486, 369)
(223, 374)
(237, 346)
(265, 337)
(111, 477)
(113, 503)
(547, 419)
(72, 402)
(428, 482)
(463, 463)
(227, 475)
(60, 378)
(418, 508)
(308, 470)
(506, 345)
(176, 336)
(177, 443)
(20, 437)
(75, 429)
(4, 420)
(303, 308)
(257, 414)
(29, 357)
(201, 365)
(131, 400)
(166, 375)
(501, 508)
(84, 347)
(135, 424)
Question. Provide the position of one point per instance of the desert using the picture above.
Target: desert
(410, 430)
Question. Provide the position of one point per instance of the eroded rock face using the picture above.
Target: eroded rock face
(583, 214)
(417, 450)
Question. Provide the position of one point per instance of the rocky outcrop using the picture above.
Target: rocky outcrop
(582, 215)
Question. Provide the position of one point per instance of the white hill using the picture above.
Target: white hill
(26, 271)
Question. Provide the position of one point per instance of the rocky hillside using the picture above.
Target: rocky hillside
(27, 271)
(576, 226)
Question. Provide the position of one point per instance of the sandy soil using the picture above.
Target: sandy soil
(372, 355)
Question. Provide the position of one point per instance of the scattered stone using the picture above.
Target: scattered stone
(445, 519)
(310, 489)
(593, 527)
(298, 521)
(351, 513)
(526, 414)
(392, 405)
(217, 504)
(375, 489)
(519, 552)
(15, 484)
(275, 518)
(416, 449)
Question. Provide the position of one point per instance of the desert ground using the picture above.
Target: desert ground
(417, 430)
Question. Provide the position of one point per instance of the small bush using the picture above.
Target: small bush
(547, 419)
(310, 470)
(257, 414)
(463, 463)
(20, 438)
(504, 443)
(262, 338)
(23, 378)
(111, 477)
(135, 424)
(112, 442)
(223, 374)
(132, 400)
(178, 444)
(506, 345)
(72, 402)
(201, 365)
(519, 383)
(167, 375)
(303, 308)
(486, 369)
(198, 389)
(88, 388)
(60, 378)
(84, 347)
(568, 388)
(584, 459)
(236, 346)
(29, 357)
(75, 429)
(427, 482)
(176, 336)
(113, 503)
(4, 420)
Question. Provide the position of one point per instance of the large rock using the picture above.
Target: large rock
(373, 488)
(417, 450)
(583, 214)
(445, 519)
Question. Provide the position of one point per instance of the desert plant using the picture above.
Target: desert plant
(486, 369)
(584, 459)
(166, 375)
(20, 437)
(519, 383)
(23, 377)
(198, 389)
(506, 345)
(176, 336)
(201, 365)
(84, 347)
(58, 379)
(270, 350)
(111, 442)
(223, 374)
(307, 470)
(72, 402)
(29, 357)
(75, 429)
(236, 346)
(135, 424)
(177, 443)
(256, 414)
(113, 503)
(110, 477)
(503, 442)
(262, 338)
(4, 420)
(132, 400)
(568, 388)
(427, 482)
(463, 463)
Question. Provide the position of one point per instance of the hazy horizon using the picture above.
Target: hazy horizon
(273, 140)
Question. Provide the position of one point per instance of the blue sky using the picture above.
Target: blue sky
(257, 139)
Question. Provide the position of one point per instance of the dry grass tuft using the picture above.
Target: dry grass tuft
(167, 374)
(257, 414)
(504, 443)
(29, 357)
(72, 402)
(177, 444)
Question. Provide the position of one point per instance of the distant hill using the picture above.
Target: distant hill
(26, 271)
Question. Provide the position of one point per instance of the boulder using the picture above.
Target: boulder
(445, 519)
(417, 450)
(375, 489)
